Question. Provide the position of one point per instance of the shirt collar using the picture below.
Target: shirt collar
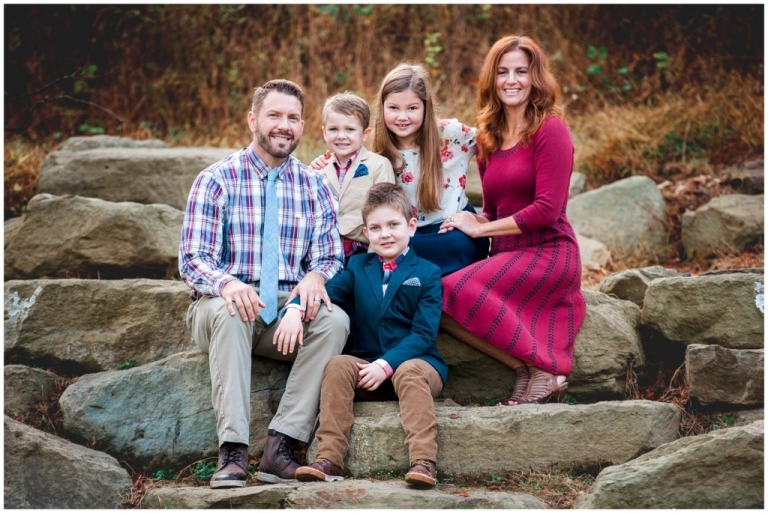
(392, 265)
(352, 158)
(262, 168)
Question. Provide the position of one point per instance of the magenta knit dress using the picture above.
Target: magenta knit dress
(526, 297)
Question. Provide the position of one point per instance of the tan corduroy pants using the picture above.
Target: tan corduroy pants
(230, 342)
(415, 384)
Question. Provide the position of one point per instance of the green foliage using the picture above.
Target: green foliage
(569, 399)
(125, 365)
(478, 13)
(204, 471)
(90, 130)
(165, 475)
(720, 421)
(498, 480)
(662, 60)
(431, 43)
(529, 484)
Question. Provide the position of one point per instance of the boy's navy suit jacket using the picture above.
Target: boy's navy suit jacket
(400, 325)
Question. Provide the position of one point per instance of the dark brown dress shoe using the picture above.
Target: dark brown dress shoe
(278, 465)
(320, 470)
(423, 474)
(232, 471)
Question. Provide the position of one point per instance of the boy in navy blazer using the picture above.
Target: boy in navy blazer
(397, 306)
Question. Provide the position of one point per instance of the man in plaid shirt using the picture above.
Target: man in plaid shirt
(220, 258)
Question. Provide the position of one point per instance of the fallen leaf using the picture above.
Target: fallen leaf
(453, 416)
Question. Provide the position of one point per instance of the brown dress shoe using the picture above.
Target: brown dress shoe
(278, 465)
(320, 470)
(423, 474)
(232, 471)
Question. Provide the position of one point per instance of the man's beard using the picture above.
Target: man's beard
(274, 150)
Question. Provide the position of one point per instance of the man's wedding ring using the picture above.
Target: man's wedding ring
(318, 299)
(450, 219)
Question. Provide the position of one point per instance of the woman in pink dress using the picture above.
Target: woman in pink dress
(523, 305)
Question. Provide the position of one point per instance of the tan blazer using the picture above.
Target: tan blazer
(367, 169)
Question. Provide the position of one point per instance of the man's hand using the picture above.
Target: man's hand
(311, 291)
(289, 331)
(247, 302)
(371, 376)
(321, 161)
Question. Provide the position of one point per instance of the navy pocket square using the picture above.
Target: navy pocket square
(412, 282)
(361, 170)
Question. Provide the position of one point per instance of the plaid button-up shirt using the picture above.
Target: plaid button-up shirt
(223, 224)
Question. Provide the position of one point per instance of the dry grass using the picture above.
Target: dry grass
(47, 416)
(557, 489)
(694, 132)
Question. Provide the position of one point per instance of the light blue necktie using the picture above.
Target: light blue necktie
(270, 251)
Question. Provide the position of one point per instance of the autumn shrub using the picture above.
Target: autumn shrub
(644, 85)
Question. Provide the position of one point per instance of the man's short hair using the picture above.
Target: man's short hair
(350, 105)
(387, 195)
(279, 85)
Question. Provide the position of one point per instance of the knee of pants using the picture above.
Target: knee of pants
(334, 324)
(411, 372)
(341, 364)
(211, 321)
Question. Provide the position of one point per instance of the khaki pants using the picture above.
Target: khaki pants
(230, 342)
(415, 384)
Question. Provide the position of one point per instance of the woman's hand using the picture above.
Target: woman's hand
(464, 221)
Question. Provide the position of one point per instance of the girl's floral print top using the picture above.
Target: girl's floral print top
(458, 147)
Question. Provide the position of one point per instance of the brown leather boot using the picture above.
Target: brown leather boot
(232, 471)
(423, 474)
(278, 465)
(320, 470)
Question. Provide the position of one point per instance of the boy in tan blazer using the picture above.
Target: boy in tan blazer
(351, 169)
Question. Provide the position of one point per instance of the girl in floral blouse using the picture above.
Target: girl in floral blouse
(430, 159)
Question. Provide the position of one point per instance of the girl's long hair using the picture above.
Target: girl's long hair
(491, 120)
(415, 78)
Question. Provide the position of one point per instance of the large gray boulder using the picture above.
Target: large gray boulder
(719, 470)
(160, 415)
(722, 309)
(594, 254)
(730, 376)
(629, 216)
(26, 388)
(94, 325)
(62, 236)
(726, 223)
(355, 494)
(607, 342)
(606, 345)
(577, 185)
(497, 439)
(140, 175)
(631, 284)
(92, 142)
(746, 178)
(43, 471)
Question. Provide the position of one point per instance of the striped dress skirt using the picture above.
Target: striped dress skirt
(525, 298)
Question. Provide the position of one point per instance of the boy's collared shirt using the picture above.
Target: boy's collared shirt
(341, 171)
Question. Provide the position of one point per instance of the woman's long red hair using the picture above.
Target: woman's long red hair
(491, 119)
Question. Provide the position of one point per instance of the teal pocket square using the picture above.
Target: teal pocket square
(361, 170)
